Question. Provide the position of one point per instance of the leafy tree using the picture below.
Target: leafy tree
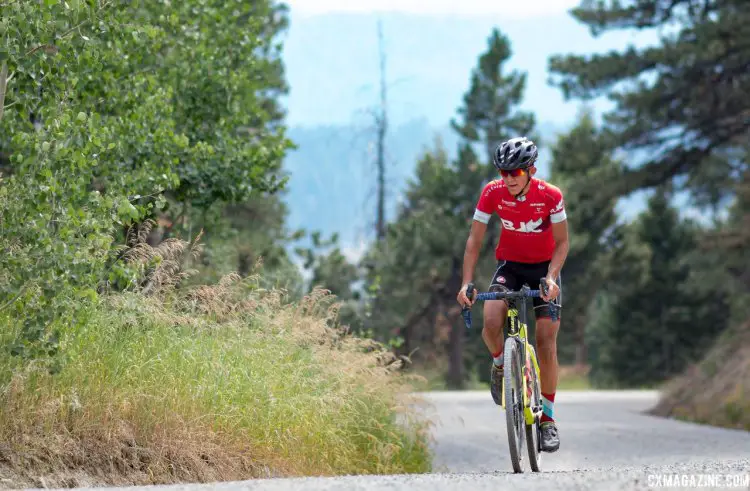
(107, 106)
(228, 105)
(223, 62)
(56, 228)
(249, 237)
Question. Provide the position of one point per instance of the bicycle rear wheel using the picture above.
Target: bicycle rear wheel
(513, 385)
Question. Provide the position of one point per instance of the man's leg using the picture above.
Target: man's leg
(495, 313)
(546, 348)
(546, 343)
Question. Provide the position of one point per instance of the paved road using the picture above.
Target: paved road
(606, 443)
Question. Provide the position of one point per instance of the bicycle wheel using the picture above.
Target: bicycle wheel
(513, 385)
(533, 431)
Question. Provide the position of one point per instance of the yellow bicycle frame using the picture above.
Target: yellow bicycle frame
(530, 355)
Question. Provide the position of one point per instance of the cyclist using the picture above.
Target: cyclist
(533, 244)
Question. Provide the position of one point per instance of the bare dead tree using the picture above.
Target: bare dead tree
(381, 122)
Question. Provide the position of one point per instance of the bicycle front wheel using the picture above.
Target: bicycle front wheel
(513, 387)
(533, 432)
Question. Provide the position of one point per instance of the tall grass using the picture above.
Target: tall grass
(221, 382)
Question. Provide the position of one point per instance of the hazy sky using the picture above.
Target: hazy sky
(509, 8)
(331, 55)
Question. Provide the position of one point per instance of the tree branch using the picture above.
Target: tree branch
(3, 85)
(52, 47)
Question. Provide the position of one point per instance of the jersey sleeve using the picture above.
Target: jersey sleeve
(557, 206)
(485, 205)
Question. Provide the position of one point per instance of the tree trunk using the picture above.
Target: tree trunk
(455, 377)
(3, 85)
(382, 128)
(456, 358)
(581, 349)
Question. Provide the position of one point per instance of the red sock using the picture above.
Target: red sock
(548, 407)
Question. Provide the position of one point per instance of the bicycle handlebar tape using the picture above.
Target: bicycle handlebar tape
(543, 286)
(466, 311)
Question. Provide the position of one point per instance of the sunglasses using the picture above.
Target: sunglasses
(514, 172)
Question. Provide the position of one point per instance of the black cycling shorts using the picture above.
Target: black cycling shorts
(511, 276)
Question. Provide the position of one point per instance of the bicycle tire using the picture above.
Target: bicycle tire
(512, 386)
(533, 431)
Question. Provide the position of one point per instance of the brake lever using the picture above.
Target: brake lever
(466, 311)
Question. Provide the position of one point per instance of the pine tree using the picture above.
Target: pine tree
(684, 103)
(728, 244)
(417, 267)
(490, 113)
(581, 161)
(659, 318)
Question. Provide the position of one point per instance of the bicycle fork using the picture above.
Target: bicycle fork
(532, 369)
(530, 365)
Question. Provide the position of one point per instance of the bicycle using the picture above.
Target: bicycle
(521, 383)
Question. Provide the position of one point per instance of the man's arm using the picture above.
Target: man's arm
(560, 234)
(473, 246)
(482, 215)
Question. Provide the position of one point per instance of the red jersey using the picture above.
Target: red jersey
(526, 233)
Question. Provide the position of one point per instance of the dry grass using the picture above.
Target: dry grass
(160, 268)
(219, 382)
(717, 390)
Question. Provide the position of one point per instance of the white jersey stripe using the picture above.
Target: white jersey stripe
(558, 217)
(481, 216)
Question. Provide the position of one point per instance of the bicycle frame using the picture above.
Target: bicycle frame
(518, 330)
(517, 326)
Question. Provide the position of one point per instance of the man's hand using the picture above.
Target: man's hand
(552, 289)
(463, 300)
